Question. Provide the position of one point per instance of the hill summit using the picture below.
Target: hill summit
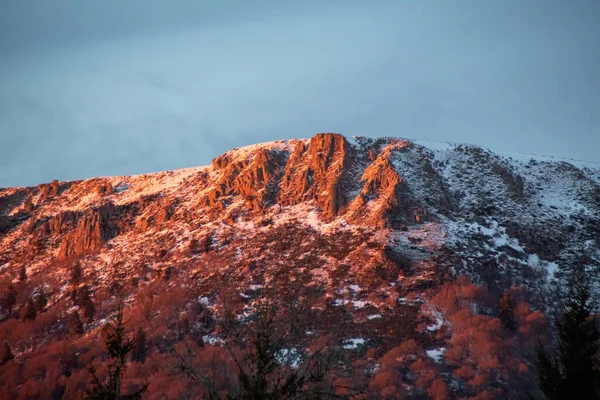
(378, 230)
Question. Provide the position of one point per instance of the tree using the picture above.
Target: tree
(85, 301)
(22, 273)
(75, 279)
(573, 369)
(76, 274)
(41, 300)
(118, 347)
(75, 324)
(89, 311)
(5, 354)
(28, 312)
(506, 312)
(264, 350)
(139, 346)
(8, 298)
(192, 246)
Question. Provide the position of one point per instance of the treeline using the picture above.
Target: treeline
(166, 339)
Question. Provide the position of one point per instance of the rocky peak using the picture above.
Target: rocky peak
(384, 188)
(315, 173)
(254, 179)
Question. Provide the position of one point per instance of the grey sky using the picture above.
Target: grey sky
(113, 87)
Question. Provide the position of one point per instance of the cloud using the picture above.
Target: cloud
(127, 93)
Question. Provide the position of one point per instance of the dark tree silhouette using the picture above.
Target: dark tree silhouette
(118, 347)
(28, 312)
(139, 346)
(264, 349)
(76, 274)
(75, 324)
(75, 280)
(41, 300)
(573, 369)
(22, 274)
(506, 312)
(85, 301)
(89, 311)
(8, 298)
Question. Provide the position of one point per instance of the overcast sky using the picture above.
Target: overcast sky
(112, 87)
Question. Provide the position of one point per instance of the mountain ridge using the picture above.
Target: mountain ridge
(375, 227)
(431, 144)
(252, 176)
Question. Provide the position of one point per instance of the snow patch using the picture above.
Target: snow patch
(351, 344)
(436, 354)
(289, 357)
(439, 321)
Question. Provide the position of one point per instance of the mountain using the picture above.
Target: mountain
(396, 239)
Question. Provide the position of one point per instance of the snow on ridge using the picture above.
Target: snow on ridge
(523, 157)
(245, 152)
(435, 146)
(526, 158)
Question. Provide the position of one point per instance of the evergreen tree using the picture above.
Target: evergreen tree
(85, 301)
(139, 346)
(89, 311)
(5, 354)
(75, 324)
(573, 371)
(76, 274)
(507, 313)
(23, 274)
(8, 298)
(28, 312)
(75, 279)
(41, 301)
(263, 348)
(118, 347)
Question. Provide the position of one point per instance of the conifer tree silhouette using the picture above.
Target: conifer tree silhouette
(572, 371)
(118, 346)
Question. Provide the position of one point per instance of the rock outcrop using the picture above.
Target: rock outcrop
(8, 202)
(158, 215)
(254, 180)
(62, 221)
(385, 189)
(93, 230)
(316, 172)
(59, 224)
(514, 183)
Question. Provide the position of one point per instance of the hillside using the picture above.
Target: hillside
(399, 252)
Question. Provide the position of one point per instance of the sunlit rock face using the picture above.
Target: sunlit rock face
(526, 214)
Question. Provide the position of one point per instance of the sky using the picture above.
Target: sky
(94, 88)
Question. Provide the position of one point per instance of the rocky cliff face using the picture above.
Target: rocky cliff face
(315, 172)
(92, 231)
